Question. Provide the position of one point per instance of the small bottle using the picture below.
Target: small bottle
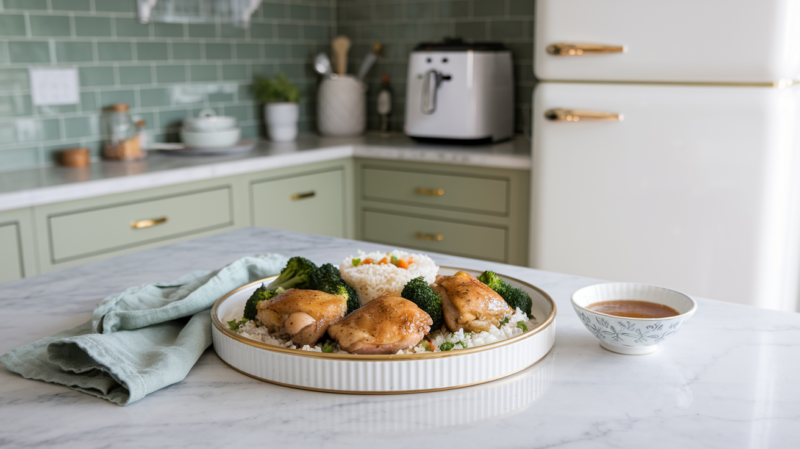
(385, 103)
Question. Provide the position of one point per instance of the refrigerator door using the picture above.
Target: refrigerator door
(735, 41)
(696, 188)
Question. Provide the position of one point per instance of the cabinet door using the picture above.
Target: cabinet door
(696, 189)
(10, 253)
(741, 41)
(312, 203)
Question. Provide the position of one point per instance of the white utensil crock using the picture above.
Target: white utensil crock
(281, 120)
(341, 106)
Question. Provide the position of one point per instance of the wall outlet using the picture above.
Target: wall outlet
(54, 86)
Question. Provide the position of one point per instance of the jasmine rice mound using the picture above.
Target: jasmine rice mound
(372, 280)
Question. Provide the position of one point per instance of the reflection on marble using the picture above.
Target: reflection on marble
(38, 186)
(727, 380)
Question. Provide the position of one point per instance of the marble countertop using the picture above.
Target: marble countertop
(38, 186)
(728, 379)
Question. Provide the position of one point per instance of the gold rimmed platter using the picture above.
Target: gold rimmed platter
(382, 374)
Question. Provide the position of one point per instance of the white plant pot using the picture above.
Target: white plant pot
(281, 120)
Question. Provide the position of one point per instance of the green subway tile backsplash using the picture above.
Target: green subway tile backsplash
(167, 72)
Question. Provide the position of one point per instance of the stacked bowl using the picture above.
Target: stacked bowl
(209, 130)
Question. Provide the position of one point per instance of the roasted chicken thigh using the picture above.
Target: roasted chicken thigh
(384, 325)
(468, 303)
(301, 315)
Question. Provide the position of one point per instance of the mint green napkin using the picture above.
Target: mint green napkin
(140, 340)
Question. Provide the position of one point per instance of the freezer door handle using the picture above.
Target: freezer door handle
(580, 115)
(564, 49)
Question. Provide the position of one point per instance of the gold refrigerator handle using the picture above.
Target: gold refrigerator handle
(141, 224)
(580, 115)
(564, 49)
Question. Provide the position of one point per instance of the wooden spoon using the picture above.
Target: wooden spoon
(340, 46)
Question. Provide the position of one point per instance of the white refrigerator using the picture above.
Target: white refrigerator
(666, 146)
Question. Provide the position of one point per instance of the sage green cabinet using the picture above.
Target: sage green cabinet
(77, 232)
(312, 203)
(469, 211)
(17, 251)
(315, 198)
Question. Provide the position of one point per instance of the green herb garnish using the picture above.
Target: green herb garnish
(328, 347)
(504, 321)
(446, 346)
(395, 260)
(522, 326)
(234, 325)
(356, 262)
(463, 345)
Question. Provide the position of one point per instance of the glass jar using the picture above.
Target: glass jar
(120, 134)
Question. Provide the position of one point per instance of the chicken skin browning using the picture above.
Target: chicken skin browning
(301, 315)
(468, 303)
(384, 325)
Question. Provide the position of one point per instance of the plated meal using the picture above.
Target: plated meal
(382, 303)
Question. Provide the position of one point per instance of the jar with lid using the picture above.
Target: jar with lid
(121, 134)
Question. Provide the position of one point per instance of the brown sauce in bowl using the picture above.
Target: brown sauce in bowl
(630, 308)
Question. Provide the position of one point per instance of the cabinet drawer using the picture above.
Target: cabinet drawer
(84, 233)
(751, 41)
(312, 203)
(481, 242)
(455, 192)
(10, 256)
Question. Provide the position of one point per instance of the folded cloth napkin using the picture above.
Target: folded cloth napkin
(140, 340)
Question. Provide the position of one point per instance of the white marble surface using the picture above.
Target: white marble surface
(35, 187)
(728, 379)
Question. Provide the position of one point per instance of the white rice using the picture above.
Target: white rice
(438, 338)
(374, 280)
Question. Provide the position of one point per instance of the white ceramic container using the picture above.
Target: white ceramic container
(740, 41)
(382, 374)
(341, 106)
(697, 188)
(281, 120)
(211, 139)
(631, 336)
(208, 120)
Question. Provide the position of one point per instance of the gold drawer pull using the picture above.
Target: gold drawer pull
(580, 115)
(430, 237)
(430, 192)
(302, 196)
(141, 224)
(583, 49)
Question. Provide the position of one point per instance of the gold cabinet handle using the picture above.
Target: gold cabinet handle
(429, 192)
(141, 224)
(302, 196)
(580, 115)
(583, 49)
(429, 237)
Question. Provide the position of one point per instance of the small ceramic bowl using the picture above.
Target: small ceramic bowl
(210, 139)
(632, 336)
(208, 121)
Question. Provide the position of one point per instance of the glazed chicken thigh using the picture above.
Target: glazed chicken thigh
(468, 303)
(302, 315)
(384, 325)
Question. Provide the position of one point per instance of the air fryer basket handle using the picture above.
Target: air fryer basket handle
(429, 92)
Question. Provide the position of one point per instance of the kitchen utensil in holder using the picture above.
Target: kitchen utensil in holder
(341, 106)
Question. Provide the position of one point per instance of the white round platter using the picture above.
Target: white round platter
(382, 374)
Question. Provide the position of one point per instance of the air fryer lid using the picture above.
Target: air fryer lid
(458, 44)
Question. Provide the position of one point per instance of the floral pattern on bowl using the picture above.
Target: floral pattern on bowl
(631, 335)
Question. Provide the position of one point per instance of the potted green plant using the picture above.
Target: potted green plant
(281, 111)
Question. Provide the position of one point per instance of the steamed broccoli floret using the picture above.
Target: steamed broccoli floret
(328, 279)
(514, 297)
(420, 293)
(296, 274)
(491, 279)
(261, 294)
